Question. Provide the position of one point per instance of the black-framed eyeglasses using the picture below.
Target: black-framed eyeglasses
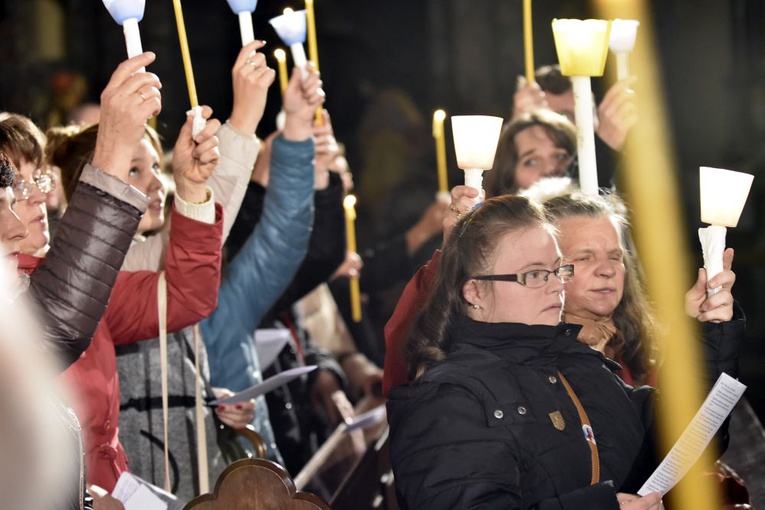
(533, 279)
(41, 179)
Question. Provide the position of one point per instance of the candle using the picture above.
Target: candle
(185, 53)
(281, 59)
(582, 47)
(291, 28)
(723, 196)
(313, 49)
(438, 134)
(244, 9)
(622, 42)
(350, 231)
(475, 144)
(528, 41)
(128, 13)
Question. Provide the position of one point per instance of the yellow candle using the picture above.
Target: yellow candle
(313, 48)
(438, 134)
(528, 41)
(350, 231)
(310, 20)
(185, 53)
(281, 59)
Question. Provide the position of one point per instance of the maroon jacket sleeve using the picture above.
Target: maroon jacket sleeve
(400, 324)
(192, 271)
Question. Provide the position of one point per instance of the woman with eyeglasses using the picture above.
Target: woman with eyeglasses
(32, 183)
(493, 415)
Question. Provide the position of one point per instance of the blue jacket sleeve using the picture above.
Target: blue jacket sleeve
(264, 267)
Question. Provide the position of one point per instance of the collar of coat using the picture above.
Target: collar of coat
(522, 343)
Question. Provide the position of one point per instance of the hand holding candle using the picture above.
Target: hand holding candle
(251, 79)
(291, 27)
(350, 229)
(723, 196)
(244, 9)
(438, 134)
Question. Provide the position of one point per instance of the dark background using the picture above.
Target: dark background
(387, 65)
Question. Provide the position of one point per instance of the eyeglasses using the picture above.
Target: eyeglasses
(533, 279)
(42, 180)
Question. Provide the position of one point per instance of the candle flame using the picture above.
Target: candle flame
(439, 115)
(349, 201)
(280, 55)
(288, 11)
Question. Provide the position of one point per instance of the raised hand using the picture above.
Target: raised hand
(717, 307)
(617, 113)
(194, 161)
(463, 201)
(252, 78)
(301, 99)
(128, 101)
(528, 98)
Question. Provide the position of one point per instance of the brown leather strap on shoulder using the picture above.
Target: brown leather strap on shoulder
(589, 435)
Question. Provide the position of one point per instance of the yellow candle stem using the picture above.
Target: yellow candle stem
(281, 59)
(350, 231)
(528, 41)
(310, 19)
(185, 53)
(438, 134)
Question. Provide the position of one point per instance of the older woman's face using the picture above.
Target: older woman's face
(30, 206)
(538, 157)
(12, 230)
(594, 246)
(523, 251)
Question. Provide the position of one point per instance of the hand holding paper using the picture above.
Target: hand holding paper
(724, 395)
(264, 387)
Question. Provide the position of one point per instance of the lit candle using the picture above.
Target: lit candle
(350, 231)
(582, 47)
(475, 144)
(185, 54)
(196, 110)
(723, 196)
(313, 48)
(438, 134)
(281, 59)
(622, 42)
(528, 41)
(128, 13)
(244, 9)
(291, 28)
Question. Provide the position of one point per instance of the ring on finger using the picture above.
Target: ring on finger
(250, 62)
(141, 95)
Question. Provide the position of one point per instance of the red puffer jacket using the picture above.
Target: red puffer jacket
(193, 276)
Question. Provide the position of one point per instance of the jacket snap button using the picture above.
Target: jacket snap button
(569, 332)
(498, 414)
(552, 379)
(521, 410)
